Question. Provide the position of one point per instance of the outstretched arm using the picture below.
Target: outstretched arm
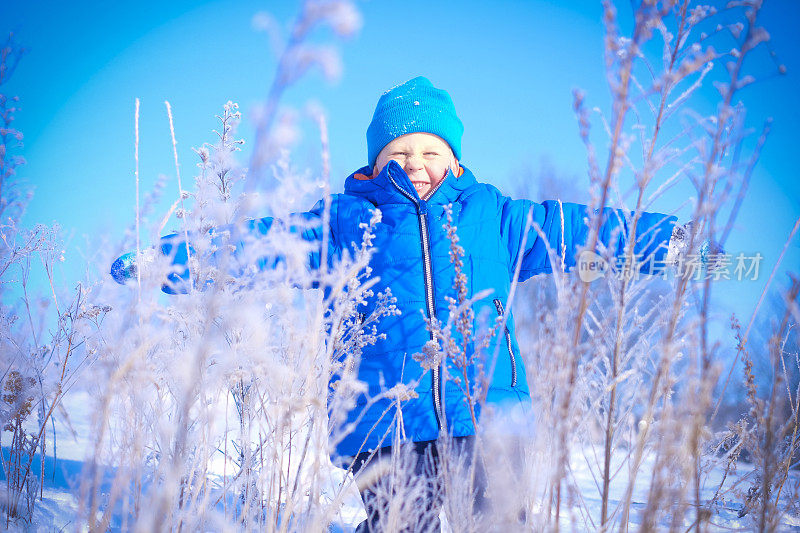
(565, 229)
(246, 244)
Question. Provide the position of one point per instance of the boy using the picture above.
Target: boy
(414, 177)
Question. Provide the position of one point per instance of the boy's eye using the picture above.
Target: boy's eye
(431, 153)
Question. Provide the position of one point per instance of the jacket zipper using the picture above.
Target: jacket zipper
(436, 377)
(499, 305)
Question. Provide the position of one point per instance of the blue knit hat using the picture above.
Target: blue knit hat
(415, 106)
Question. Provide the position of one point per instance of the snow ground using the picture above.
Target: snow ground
(59, 506)
(56, 511)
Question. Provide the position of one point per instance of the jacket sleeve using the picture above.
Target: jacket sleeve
(566, 229)
(246, 244)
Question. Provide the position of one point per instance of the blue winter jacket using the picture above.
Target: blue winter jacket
(413, 260)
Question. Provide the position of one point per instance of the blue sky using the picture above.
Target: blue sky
(509, 66)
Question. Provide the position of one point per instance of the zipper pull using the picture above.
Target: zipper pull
(423, 207)
(499, 306)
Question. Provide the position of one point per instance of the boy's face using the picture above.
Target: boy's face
(425, 158)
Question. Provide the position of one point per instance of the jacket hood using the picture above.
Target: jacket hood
(385, 187)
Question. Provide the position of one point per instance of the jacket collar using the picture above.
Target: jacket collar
(385, 187)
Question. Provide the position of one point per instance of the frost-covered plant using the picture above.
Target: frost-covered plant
(219, 407)
(275, 128)
(768, 433)
(229, 418)
(41, 335)
(454, 340)
(624, 369)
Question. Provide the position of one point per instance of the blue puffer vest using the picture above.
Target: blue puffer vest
(413, 259)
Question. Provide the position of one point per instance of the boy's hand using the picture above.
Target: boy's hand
(710, 252)
(125, 267)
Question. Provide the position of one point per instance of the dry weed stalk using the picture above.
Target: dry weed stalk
(261, 463)
(217, 411)
(42, 340)
(618, 379)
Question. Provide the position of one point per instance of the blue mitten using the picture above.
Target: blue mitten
(125, 267)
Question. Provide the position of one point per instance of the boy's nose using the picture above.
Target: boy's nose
(414, 163)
